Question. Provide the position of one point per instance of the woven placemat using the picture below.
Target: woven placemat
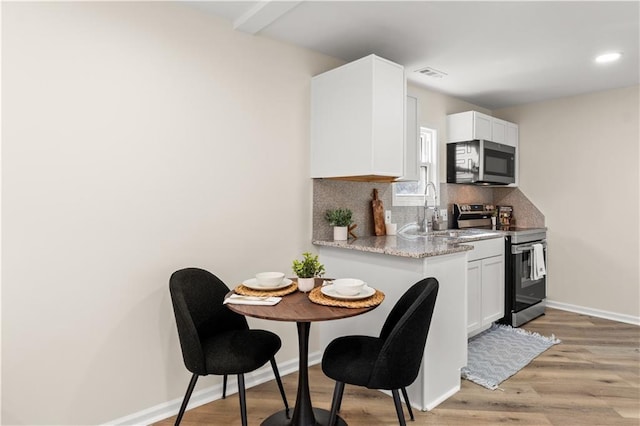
(246, 291)
(316, 296)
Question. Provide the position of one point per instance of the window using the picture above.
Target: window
(412, 193)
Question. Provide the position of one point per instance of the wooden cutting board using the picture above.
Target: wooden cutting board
(378, 214)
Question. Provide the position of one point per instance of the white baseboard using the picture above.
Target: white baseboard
(628, 319)
(213, 393)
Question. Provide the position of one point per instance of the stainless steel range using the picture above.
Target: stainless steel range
(525, 260)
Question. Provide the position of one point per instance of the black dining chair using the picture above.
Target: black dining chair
(215, 340)
(390, 361)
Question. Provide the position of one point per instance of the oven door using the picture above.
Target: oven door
(527, 291)
(498, 163)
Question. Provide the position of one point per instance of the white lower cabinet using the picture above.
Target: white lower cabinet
(485, 285)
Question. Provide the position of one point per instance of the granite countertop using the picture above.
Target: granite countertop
(435, 244)
(398, 246)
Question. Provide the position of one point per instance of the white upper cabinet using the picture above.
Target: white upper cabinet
(470, 125)
(358, 121)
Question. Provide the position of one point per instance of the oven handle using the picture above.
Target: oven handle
(528, 247)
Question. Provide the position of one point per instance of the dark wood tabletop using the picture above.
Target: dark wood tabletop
(297, 307)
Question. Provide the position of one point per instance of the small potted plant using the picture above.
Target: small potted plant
(340, 219)
(307, 270)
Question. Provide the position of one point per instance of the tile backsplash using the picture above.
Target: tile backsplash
(357, 196)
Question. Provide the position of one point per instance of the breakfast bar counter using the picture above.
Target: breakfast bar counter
(393, 264)
(413, 244)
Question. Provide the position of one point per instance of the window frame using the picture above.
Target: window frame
(428, 170)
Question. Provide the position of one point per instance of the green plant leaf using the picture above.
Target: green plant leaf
(309, 267)
(339, 217)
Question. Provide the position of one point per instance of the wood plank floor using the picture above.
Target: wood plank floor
(591, 378)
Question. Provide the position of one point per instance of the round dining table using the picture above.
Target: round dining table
(296, 307)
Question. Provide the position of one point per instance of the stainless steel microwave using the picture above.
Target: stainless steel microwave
(481, 162)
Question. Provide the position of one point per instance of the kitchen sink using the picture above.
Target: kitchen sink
(412, 230)
(462, 233)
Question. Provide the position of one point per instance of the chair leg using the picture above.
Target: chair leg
(185, 401)
(398, 404)
(243, 399)
(339, 406)
(224, 386)
(336, 402)
(276, 373)
(406, 401)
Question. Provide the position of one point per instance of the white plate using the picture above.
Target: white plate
(329, 290)
(253, 284)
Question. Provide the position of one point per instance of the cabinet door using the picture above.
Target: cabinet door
(460, 127)
(512, 134)
(498, 130)
(474, 296)
(492, 293)
(482, 126)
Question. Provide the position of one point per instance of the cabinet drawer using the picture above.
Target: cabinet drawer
(486, 248)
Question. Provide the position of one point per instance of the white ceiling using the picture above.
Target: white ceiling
(495, 54)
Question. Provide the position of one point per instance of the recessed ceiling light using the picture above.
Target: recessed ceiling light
(608, 57)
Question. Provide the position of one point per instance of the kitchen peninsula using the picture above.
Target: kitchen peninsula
(392, 264)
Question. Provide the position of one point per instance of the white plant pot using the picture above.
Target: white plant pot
(340, 233)
(305, 284)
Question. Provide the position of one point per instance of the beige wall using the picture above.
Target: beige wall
(137, 138)
(579, 166)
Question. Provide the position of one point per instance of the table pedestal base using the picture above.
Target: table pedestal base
(321, 416)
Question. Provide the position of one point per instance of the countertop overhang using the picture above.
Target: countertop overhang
(397, 246)
(416, 246)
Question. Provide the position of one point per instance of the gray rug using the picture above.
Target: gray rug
(500, 352)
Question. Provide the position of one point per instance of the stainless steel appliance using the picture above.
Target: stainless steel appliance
(481, 162)
(525, 293)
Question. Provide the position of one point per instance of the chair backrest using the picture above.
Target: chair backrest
(405, 334)
(197, 297)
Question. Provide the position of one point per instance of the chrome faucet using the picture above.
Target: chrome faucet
(425, 223)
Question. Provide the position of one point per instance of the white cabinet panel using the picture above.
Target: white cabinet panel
(492, 289)
(474, 296)
(485, 285)
(412, 141)
(482, 126)
(446, 349)
(470, 125)
(357, 120)
(498, 130)
(512, 134)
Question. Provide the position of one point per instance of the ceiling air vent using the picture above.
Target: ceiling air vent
(432, 72)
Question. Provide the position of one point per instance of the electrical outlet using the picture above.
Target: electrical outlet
(443, 214)
(387, 216)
